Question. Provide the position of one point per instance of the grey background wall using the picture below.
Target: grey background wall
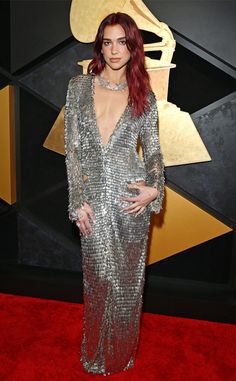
(209, 24)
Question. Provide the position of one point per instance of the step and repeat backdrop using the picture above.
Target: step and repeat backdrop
(47, 43)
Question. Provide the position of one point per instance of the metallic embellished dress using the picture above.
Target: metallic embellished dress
(114, 254)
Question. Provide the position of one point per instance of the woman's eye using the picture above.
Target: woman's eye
(123, 42)
(106, 43)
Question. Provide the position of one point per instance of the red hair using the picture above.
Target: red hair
(136, 74)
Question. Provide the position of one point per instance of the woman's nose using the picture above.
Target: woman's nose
(114, 49)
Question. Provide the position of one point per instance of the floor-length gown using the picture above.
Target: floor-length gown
(114, 254)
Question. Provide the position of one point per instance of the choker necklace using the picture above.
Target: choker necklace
(106, 84)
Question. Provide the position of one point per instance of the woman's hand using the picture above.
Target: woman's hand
(147, 194)
(83, 222)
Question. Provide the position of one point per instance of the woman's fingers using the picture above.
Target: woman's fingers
(84, 226)
(147, 194)
(83, 223)
(141, 210)
(90, 213)
(87, 228)
(133, 208)
(136, 185)
(130, 208)
(141, 200)
(127, 198)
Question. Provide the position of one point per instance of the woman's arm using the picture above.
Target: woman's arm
(72, 151)
(152, 155)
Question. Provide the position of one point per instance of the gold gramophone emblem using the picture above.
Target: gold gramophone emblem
(180, 140)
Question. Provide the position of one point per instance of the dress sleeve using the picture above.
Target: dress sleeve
(152, 155)
(73, 152)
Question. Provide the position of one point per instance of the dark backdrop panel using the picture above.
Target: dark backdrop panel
(50, 79)
(207, 262)
(40, 245)
(5, 34)
(195, 83)
(40, 169)
(210, 24)
(4, 81)
(36, 27)
(213, 184)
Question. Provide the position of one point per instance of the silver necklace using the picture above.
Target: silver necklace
(106, 84)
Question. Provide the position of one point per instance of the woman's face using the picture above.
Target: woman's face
(114, 48)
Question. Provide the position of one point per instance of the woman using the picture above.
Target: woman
(112, 192)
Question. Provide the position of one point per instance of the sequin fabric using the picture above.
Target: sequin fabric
(114, 254)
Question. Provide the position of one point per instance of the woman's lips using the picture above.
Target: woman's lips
(114, 59)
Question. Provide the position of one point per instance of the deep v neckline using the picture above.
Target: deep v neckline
(116, 128)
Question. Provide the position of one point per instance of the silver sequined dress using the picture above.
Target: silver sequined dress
(114, 254)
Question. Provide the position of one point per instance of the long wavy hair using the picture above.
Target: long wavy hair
(136, 74)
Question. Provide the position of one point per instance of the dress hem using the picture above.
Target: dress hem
(95, 369)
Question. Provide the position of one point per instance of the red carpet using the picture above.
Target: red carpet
(40, 342)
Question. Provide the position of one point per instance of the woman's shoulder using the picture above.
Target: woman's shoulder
(151, 97)
(79, 81)
(151, 102)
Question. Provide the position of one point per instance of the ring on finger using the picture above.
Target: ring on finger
(79, 215)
